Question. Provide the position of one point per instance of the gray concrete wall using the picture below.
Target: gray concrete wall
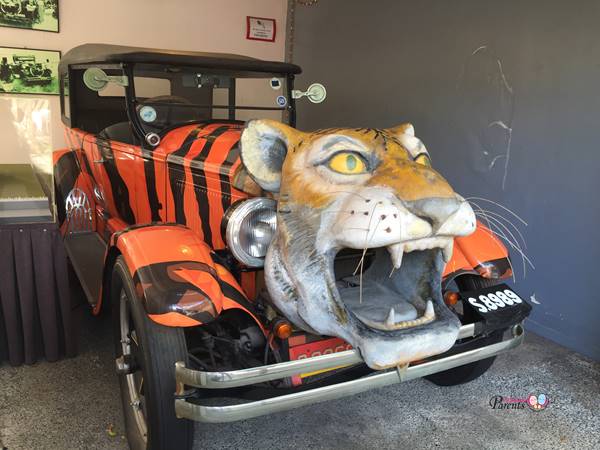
(506, 96)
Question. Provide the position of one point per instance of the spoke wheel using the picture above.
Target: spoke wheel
(145, 356)
(135, 380)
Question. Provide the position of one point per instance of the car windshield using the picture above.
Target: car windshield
(169, 96)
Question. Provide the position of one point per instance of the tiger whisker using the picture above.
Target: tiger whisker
(367, 239)
(516, 248)
(492, 233)
(489, 215)
(493, 220)
(338, 211)
(515, 228)
(502, 235)
(501, 248)
(366, 246)
(349, 192)
(498, 223)
(491, 228)
(360, 261)
(499, 205)
(478, 208)
(497, 242)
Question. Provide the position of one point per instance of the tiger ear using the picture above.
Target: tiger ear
(405, 134)
(264, 146)
(405, 128)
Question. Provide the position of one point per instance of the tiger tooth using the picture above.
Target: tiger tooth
(396, 252)
(390, 318)
(447, 250)
(429, 313)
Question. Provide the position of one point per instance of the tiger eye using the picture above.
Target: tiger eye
(347, 163)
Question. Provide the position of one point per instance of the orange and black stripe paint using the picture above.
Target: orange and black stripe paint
(187, 181)
(140, 198)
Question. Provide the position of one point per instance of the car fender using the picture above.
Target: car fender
(472, 252)
(175, 276)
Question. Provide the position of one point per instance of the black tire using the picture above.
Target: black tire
(155, 349)
(471, 371)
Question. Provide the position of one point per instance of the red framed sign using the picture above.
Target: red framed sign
(260, 29)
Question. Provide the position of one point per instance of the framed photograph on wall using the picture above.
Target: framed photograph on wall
(260, 29)
(39, 15)
(29, 71)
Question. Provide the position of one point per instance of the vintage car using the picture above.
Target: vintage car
(171, 201)
(29, 71)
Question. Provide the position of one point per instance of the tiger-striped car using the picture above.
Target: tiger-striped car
(172, 201)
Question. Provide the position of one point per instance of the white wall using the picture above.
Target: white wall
(200, 25)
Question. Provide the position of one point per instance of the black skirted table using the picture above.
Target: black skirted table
(36, 320)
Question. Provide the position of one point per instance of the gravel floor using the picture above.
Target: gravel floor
(71, 404)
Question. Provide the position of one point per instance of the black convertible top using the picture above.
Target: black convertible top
(114, 54)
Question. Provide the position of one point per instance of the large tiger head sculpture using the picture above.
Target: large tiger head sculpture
(366, 189)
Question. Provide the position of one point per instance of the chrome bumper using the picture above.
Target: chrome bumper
(219, 380)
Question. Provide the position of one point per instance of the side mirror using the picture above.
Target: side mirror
(96, 79)
(316, 93)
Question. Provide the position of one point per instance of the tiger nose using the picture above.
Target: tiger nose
(435, 211)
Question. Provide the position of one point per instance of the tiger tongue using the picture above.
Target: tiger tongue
(380, 313)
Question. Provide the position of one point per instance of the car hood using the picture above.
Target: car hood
(213, 150)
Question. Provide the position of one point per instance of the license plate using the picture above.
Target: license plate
(316, 348)
(497, 304)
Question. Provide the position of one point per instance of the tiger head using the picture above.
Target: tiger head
(373, 191)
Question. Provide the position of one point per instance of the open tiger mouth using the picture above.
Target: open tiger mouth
(397, 289)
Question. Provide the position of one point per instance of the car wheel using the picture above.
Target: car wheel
(471, 371)
(145, 356)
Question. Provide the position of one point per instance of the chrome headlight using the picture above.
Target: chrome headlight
(249, 227)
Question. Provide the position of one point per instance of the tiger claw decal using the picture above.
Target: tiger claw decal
(362, 189)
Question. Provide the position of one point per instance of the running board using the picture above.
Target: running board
(231, 413)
